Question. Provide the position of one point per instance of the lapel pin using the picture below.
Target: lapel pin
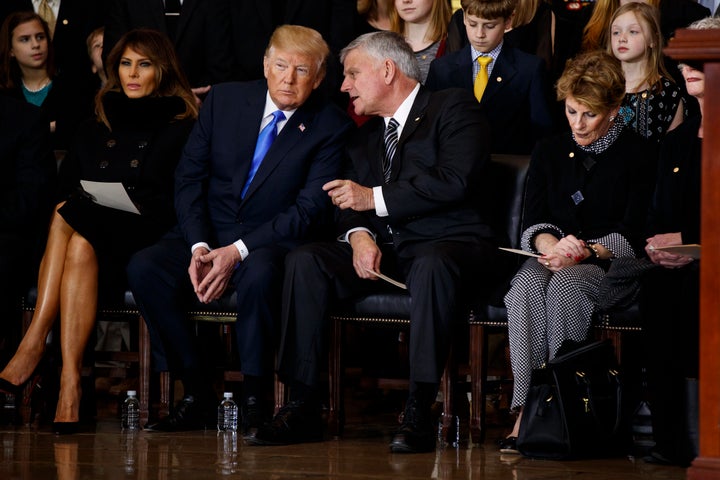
(301, 127)
(499, 79)
(417, 119)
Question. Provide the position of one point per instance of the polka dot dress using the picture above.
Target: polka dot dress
(545, 308)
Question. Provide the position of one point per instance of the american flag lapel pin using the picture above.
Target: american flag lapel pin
(301, 127)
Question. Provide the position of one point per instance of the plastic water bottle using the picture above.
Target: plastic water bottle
(131, 412)
(227, 414)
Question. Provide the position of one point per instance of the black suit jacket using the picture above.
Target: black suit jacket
(515, 100)
(201, 41)
(437, 172)
(28, 179)
(253, 22)
(285, 198)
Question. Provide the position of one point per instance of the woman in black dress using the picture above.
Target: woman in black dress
(586, 201)
(144, 114)
(670, 296)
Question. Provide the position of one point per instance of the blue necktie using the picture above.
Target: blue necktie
(265, 139)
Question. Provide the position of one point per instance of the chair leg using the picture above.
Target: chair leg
(144, 374)
(335, 423)
(25, 411)
(449, 429)
(478, 374)
(615, 337)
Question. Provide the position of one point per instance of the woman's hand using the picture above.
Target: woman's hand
(666, 259)
(566, 252)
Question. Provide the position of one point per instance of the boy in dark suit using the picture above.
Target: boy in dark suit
(509, 84)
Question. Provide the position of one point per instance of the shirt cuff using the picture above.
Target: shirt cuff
(240, 245)
(380, 207)
(346, 238)
(198, 245)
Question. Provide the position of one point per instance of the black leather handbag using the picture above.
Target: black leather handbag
(574, 406)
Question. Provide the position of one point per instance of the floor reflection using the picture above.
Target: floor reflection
(108, 453)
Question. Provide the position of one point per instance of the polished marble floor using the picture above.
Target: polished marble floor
(107, 453)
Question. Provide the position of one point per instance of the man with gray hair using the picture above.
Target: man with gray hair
(407, 207)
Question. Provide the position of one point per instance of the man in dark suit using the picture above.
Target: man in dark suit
(515, 99)
(199, 29)
(239, 213)
(26, 188)
(408, 209)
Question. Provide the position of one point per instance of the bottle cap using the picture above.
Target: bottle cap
(227, 395)
(132, 393)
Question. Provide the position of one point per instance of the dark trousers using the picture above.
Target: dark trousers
(437, 274)
(669, 303)
(159, 279)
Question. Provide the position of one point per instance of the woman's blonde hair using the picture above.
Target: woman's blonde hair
(594, 79)
(439, 19)
(524, 12)
(170, 79)
(649, 19)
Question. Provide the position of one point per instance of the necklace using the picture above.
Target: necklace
(43, 85)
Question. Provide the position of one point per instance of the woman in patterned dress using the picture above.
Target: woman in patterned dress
(653, 102)
(586, 201)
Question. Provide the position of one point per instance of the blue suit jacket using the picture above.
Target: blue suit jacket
(515, 100)
(285, 198)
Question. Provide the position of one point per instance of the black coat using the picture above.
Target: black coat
(28, 167)
(141, 151)
(676, 204)
(615, 187)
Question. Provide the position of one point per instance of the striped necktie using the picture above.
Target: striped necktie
(391, 141)
(46, 13)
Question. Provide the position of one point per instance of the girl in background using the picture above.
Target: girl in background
(653, 102)
(423, 23)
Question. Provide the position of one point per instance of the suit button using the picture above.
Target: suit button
(134, 163)
(103, 164)
(111, 143)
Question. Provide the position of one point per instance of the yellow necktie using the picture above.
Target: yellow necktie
(481, 80)
(47, 14)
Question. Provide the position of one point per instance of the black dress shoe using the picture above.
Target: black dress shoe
(66, 428)
(254, 414)
(416, 433)
(188, 414)
(296, 422)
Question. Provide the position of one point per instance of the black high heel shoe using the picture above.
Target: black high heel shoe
(10, 388)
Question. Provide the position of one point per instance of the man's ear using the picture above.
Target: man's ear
(266, 66)
(390, 69)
